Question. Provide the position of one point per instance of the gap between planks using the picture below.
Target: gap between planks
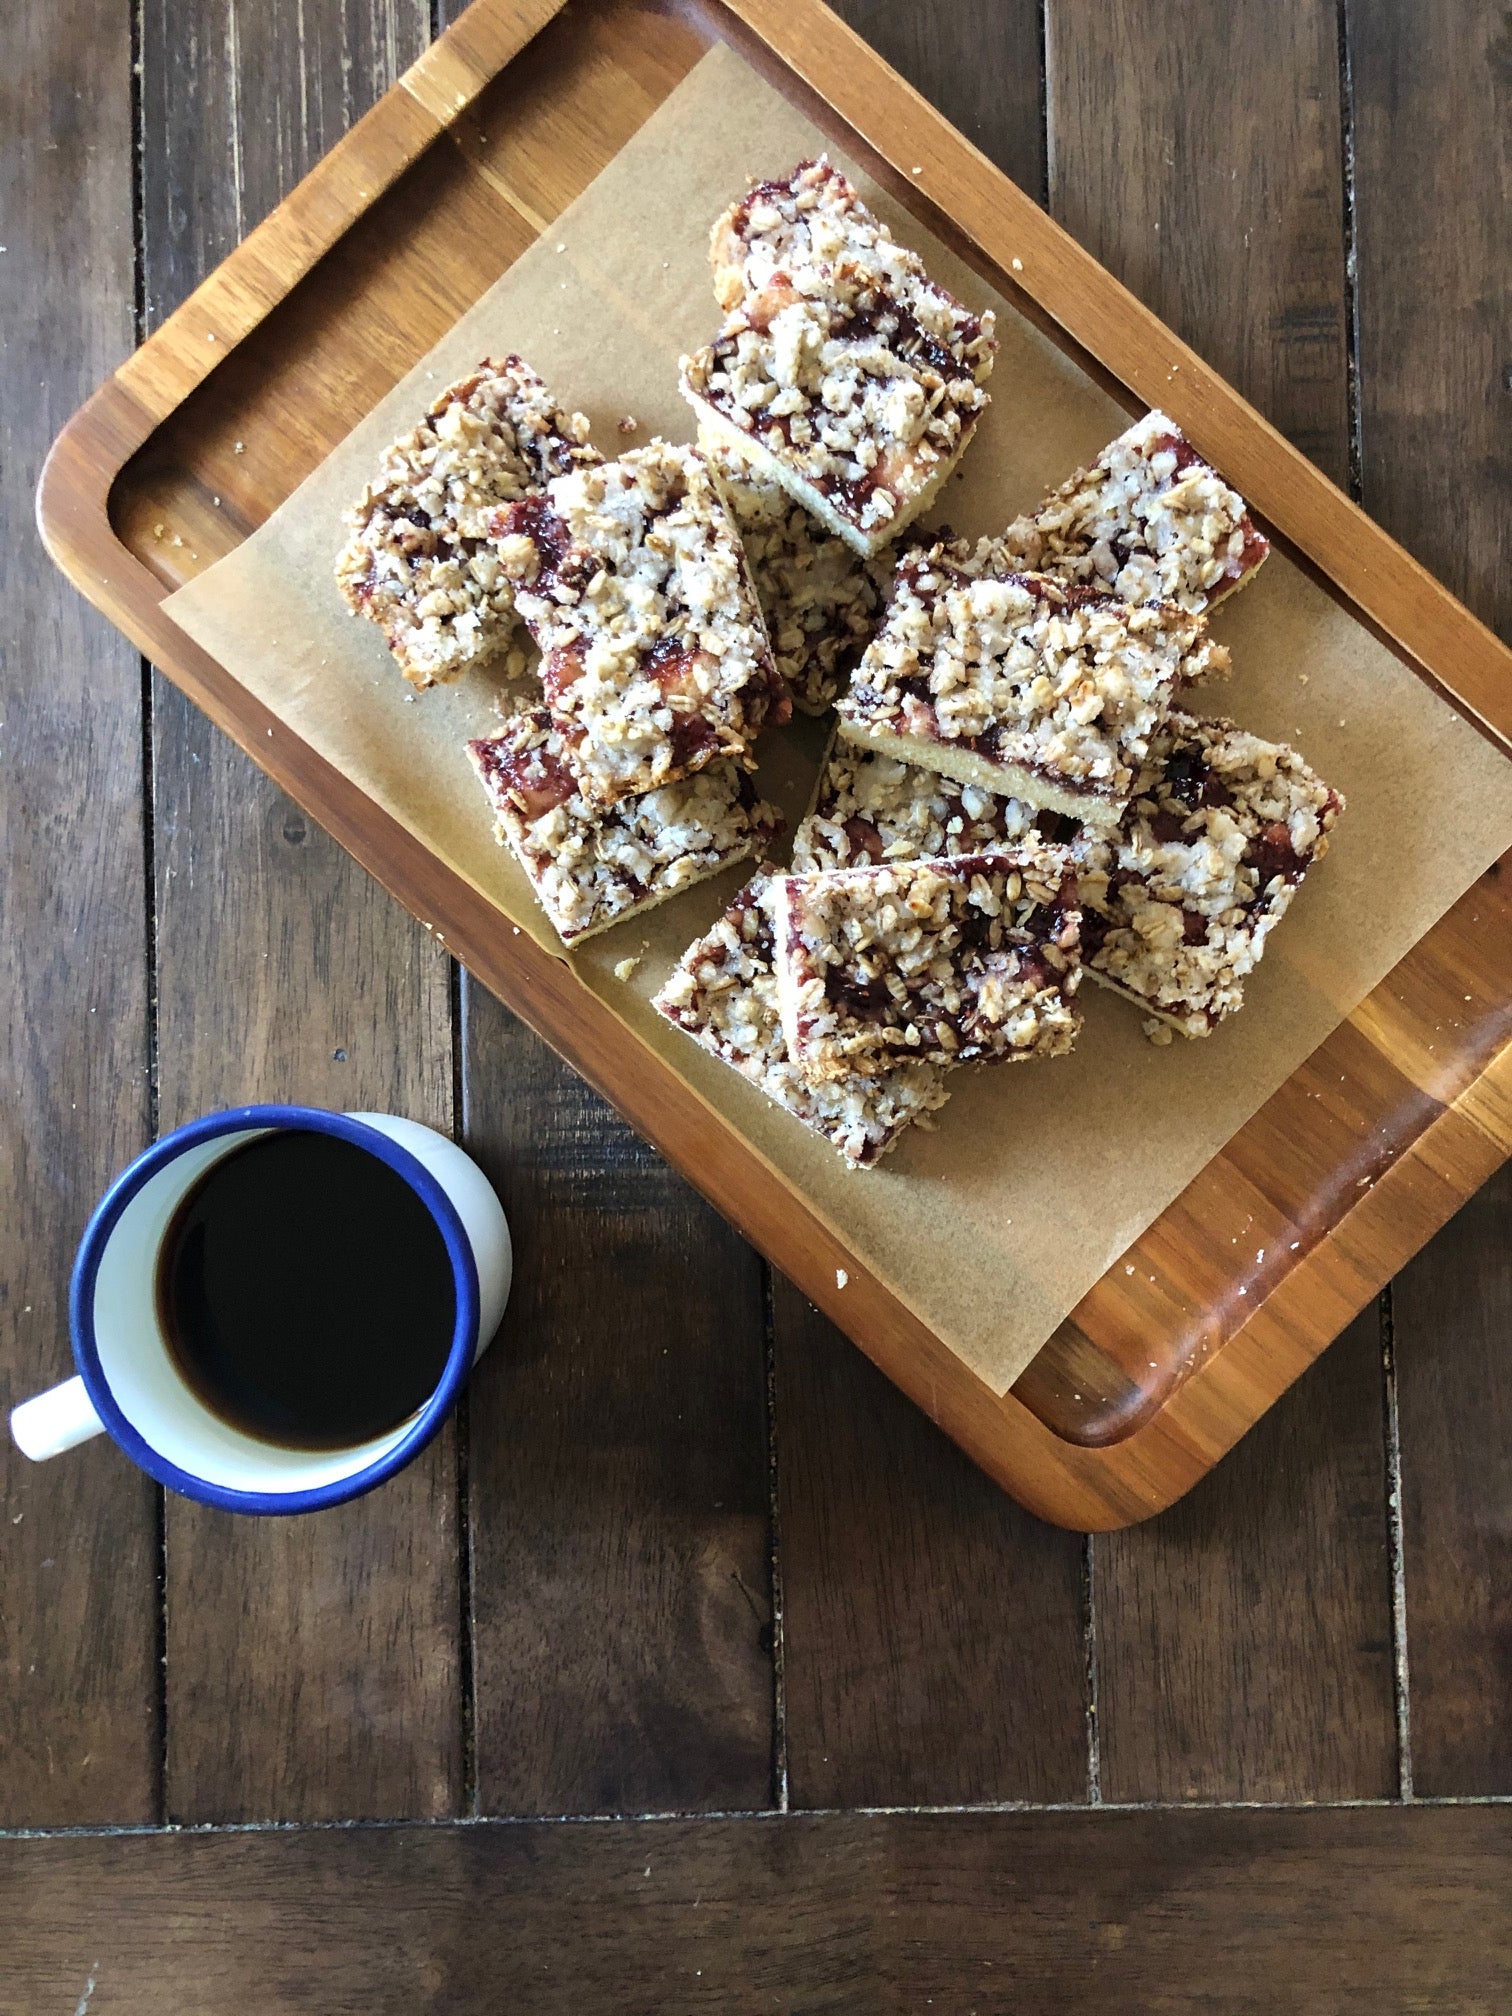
(774, 1553)
(765, 1815)
(467, 1638)
(1395, 1551)
(1396, 1554)
(149, 894)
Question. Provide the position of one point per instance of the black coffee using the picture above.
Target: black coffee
(306, 1293)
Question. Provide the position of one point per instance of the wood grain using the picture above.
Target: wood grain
(1436, 400)
(1214, 189)
(1127, 1914)
(1435, 391)
(619, 1466)
(312, 1664)
(978, 62)
(932, 1633)
(1452, 1312)
(1201, 185)
(1244, 1639)
(1429, 1134)
(932, 1637)
(78, 1564)
(622, 1627)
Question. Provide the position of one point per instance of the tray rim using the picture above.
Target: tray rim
(1093, 1487)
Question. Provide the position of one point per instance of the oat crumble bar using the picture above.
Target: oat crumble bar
(591, 868)
(421, 562)
(655, 659)
(723, 993)
(811, 219)
(944, 960)
(1017, 684)
(1178, 902)
(870, 808)
(853, 379)
(1149, 520)
(821, 600)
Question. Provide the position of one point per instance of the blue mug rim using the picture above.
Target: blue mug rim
(298, 1119)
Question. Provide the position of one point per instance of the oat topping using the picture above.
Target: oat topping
(1149, 520)
(820, 599)
(655, 659)
(1179, 900)
(812, 219)
(848, 374)
(591, 867)
(945, 960)
(723, 992)
(1014, 683)
(870, 808)
(421, 561)
(683, 600)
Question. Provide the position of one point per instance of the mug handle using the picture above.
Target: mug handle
(50, 1422)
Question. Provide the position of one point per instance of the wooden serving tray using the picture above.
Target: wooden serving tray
(1361, 1155)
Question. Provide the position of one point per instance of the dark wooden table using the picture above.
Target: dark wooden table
(685, 1566)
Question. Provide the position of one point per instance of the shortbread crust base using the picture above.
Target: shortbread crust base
(760, 457)
(1007, 780)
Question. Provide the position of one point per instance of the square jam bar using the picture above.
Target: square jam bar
(821, 601)
(1011, 682)
(1148, 521)
(811, 220)
(592, 867)
(655, 658)
(870, 808)
(724, 994)
(944, 960)
(1178, 901)
(421, 561)
(851, 378)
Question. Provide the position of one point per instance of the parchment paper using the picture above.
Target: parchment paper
(994, 1227)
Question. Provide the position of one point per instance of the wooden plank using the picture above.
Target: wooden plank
(358, 169)
(1243, 1638)
(1198, 154)
(932, 1636)
(932, 1632)
(1355, 1910)
(313, 1664)
(618, 1476)
(78, 1568)
(1452, 1311)
(1436, 462)
(978, 62)
(619, 1465)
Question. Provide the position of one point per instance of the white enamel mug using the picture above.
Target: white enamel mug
(127, 1385)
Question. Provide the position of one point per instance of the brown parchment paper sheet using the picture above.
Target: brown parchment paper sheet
(992, 1228)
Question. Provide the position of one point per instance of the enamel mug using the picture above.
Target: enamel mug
(127, 1385)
